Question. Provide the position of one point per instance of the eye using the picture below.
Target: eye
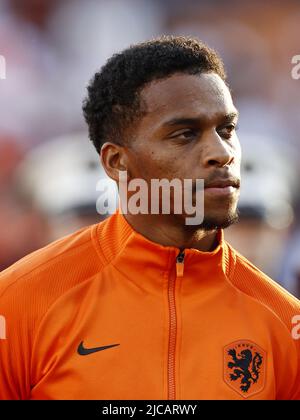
(228, 130)
(186, 134)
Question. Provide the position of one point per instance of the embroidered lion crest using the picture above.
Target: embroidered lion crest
(244, 367)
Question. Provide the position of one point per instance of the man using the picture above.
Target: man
(144, 306)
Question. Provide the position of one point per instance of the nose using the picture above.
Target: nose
(217, 152)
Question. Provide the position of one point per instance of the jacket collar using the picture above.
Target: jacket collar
(119, 244)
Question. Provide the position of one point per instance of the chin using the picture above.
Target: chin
(212, 222)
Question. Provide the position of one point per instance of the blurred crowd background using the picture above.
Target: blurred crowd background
(48, 168)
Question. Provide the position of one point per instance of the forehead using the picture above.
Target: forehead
(204, 95)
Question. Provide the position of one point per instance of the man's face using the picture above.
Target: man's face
(188, 132)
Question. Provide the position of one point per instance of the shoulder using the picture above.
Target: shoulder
(41, 277)
(250, 280)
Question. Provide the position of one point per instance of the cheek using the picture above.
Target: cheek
(237, 148)
(153, 163)
(237, 152)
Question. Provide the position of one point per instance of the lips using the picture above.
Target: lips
(223, 183)
(223, 187)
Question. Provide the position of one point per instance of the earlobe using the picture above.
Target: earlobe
(113, 159)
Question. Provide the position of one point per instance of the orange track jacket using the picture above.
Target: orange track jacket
(105, 313)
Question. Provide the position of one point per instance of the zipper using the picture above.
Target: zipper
(173, 325)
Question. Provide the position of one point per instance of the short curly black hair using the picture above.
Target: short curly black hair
(113, 101)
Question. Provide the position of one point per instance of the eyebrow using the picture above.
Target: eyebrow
(192, 121)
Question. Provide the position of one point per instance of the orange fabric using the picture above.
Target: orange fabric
(220, 329)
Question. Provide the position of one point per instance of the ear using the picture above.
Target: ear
(113, 159)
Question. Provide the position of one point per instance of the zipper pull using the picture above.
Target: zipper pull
(180, 264)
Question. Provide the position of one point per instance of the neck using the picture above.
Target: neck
(166, 231)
